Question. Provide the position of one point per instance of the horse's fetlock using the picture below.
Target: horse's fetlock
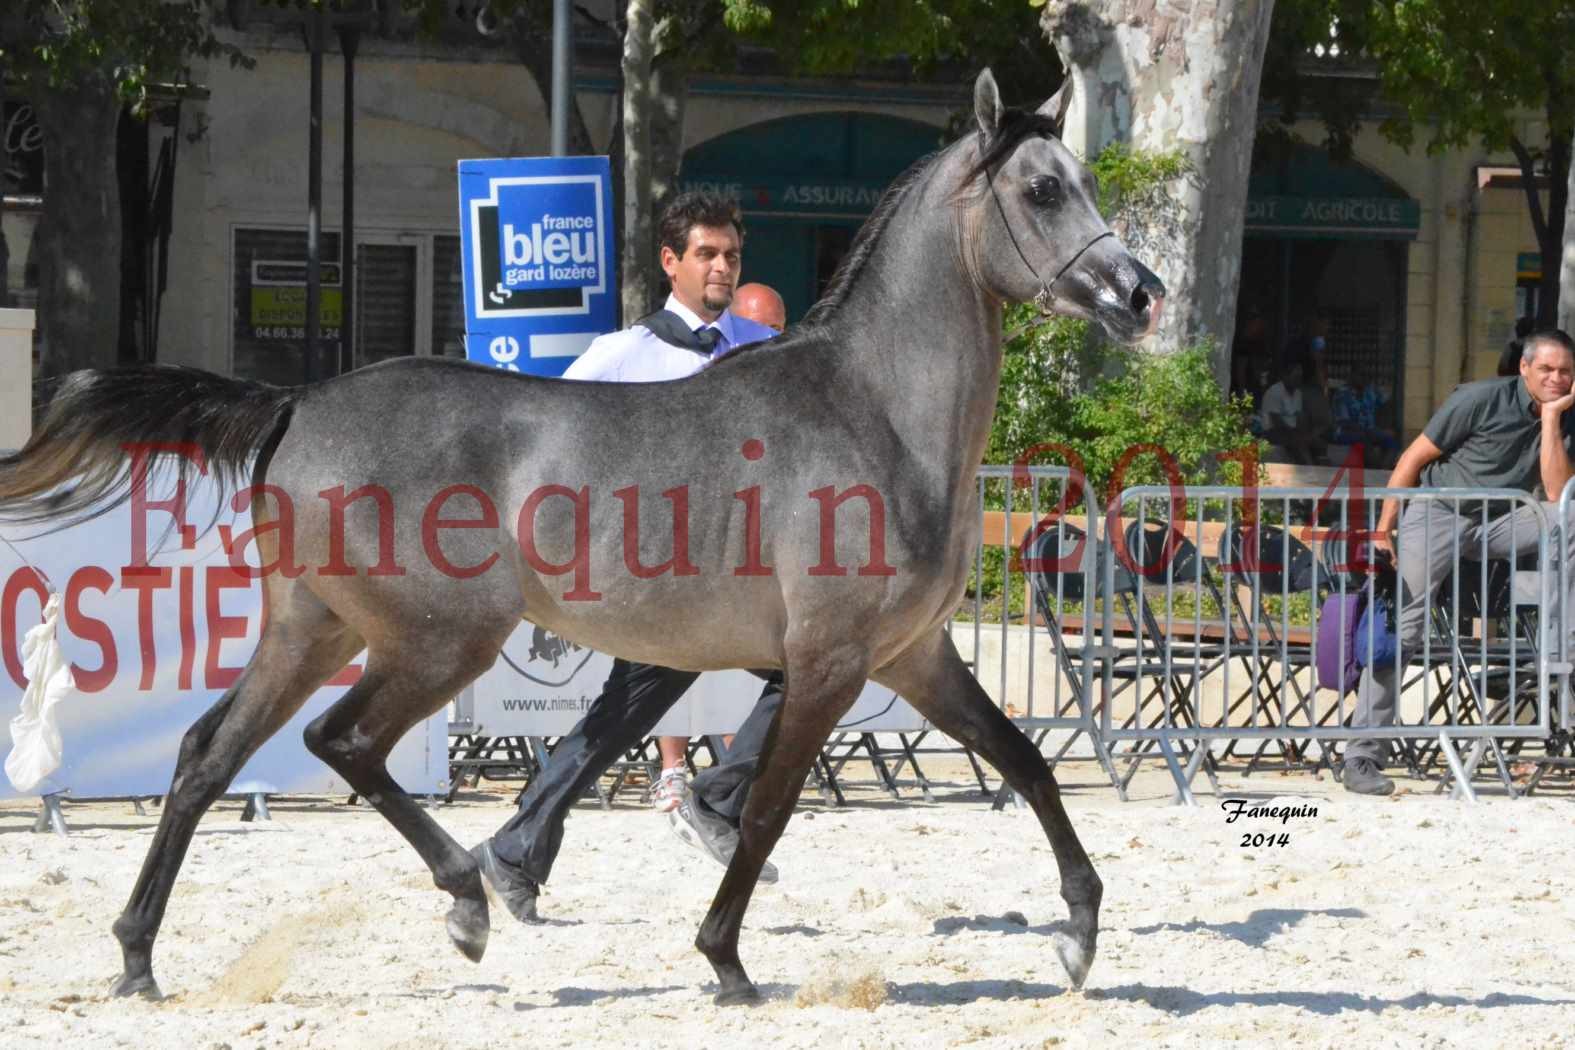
(133, 933)
(334, 750)
(458, 879)
(1083, 891)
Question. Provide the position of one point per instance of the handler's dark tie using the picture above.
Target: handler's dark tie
(708, 338)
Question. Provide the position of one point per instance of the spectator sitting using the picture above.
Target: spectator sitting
(1281, 421)
(1512, 432)
(1357, 409)
(1317, 421)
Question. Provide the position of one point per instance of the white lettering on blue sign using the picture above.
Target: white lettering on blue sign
(505, 350)
(536, 235)
(555, 248)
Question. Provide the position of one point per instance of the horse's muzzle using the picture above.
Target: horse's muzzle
(1147, 300)
(1123, 295)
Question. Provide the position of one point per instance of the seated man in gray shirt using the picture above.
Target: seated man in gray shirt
(1512, 432)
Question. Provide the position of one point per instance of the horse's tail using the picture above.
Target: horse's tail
(102, 421)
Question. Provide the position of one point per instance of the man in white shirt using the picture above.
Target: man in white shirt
(1281, 415)
(704, 273)
(702, 240)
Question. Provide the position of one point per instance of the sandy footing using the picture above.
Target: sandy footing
(1406, 922)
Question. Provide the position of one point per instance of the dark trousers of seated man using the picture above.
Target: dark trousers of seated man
(1428, 547)
(634, 699)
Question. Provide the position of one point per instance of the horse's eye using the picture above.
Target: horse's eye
(1044, 189)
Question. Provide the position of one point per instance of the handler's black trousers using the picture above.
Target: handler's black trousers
(634, 699)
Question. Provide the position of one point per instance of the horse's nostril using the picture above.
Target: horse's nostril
(1139, 300)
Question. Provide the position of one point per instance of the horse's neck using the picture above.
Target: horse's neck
(916, 324)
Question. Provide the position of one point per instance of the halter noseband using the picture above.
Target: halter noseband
(1046, 298)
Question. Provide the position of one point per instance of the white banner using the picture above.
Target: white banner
(543, 684)
(151, 651)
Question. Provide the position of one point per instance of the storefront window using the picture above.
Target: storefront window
(407, 299)
(269, 315)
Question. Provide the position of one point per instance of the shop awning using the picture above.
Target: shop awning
(1297, 190)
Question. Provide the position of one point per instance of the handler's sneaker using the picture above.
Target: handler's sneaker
(711, 834)
(1363, 777)
(668, 790)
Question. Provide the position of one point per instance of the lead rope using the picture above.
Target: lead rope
(49, 584)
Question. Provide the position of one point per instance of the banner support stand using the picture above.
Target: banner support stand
(256, 809)
(50, 817)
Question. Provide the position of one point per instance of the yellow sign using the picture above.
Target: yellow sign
(279, 312)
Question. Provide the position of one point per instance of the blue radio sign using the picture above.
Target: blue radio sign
(536, 235)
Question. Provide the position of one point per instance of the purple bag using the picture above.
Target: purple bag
(1337, 623)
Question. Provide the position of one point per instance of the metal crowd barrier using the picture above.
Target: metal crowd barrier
(1184, 625)
(1045, 676)
(1457, 684)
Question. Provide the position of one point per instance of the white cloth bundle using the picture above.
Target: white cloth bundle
(36, 748)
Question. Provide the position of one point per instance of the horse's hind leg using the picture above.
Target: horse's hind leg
(818, 694)
(933, 678)
(295, 656)
(406, 681)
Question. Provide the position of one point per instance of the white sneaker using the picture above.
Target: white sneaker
(711, 835)
(669, 790)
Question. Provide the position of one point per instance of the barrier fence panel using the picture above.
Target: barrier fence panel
(1560, 749)
(1030, 605)
(1224, 592)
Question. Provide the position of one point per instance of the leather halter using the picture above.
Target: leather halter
(1046, 297)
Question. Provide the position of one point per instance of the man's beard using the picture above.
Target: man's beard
(715, 303)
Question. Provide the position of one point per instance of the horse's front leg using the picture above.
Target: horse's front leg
(819, 691)
(934, 679)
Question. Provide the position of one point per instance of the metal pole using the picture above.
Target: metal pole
(5, 251)
(349, 41)
(314, 196)
(562, 74)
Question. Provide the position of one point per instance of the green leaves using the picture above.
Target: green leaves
(131, 43)
(1134, 179)
(1055, 388)
(831, 37)
(1458, 69)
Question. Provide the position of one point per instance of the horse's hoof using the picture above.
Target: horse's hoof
(141, 985)
(743, 995)
(468, 928)
(1074, 957)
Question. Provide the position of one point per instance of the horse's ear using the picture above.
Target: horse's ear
(1056, 105)
(987, 104)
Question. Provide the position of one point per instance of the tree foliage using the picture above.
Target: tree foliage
(56, 44)
(824, 37)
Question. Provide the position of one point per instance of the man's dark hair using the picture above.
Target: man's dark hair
(1550, 336)
(689, 210)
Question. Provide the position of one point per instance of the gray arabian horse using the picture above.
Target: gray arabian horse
(886, 390)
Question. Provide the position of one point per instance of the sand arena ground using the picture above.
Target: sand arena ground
(1409, 921)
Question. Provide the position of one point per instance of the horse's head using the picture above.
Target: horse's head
(1039, 234)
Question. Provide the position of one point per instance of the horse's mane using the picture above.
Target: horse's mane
(1016, 125)
(868, 237)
